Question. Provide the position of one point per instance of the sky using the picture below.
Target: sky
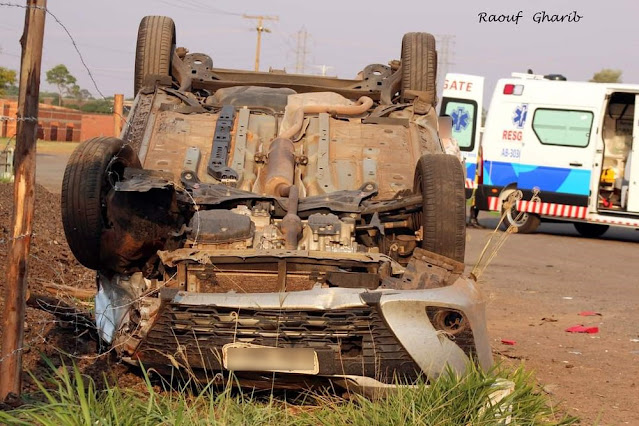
(344, 36)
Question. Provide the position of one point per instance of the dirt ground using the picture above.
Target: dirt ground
(535, 287)
(51, 262)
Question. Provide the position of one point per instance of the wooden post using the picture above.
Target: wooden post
(118, 110)
(23, 200)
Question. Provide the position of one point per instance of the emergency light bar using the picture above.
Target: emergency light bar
(513, 89)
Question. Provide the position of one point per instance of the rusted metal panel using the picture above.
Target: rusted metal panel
(385, 153)
(172, 134)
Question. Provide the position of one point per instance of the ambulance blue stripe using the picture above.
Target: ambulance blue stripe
(470, 170)
(550, 179)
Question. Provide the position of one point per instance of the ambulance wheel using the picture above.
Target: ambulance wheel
(439, 178)
(93, 168)
(154, 49)
(526, 223)
(419, 65)
(590, 230)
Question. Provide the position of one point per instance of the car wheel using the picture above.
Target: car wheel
(91, 172)
(526, 223)
(590, 230)
(439, 178)
(419, 65)
(154, 50)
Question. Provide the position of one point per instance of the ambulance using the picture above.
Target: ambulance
(462, 99)
(572, 143)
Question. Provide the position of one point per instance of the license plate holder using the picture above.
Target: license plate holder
(247, 357)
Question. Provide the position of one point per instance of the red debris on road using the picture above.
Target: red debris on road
(582, 329)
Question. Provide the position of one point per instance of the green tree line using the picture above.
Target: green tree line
(67, 88)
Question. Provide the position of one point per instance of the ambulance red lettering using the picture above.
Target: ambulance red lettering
(458, 85)
(512, 135)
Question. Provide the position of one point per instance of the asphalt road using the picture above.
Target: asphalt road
(50, 170)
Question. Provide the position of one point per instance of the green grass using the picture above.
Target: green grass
(73, 399)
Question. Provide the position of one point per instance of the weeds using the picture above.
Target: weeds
(71, 398)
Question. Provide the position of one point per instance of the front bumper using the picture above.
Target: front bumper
(372, 338)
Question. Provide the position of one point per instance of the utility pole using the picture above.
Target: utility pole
(23, 200)
(324, 69)
(300, 53)
(260, 29)
(444, 56)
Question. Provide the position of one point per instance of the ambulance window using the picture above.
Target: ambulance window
(463, 113)
(562, 127)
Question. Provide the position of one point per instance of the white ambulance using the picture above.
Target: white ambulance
(571, 141)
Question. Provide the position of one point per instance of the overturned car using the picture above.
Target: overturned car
(268, 224)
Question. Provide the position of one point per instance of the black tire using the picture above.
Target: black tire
(590, 230)
(154, 50)
(419, 65)
(88, 177)
(440, 180)
(526, 223)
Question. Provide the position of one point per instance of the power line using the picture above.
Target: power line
(199, 7)
(75, 45)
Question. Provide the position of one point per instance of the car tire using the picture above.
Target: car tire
(154, 49)
(590, 230)
(526, 223)
(439, 178)
(90, 174)
(419, 65)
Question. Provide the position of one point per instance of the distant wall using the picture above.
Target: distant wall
(59, 123)
(93, 125)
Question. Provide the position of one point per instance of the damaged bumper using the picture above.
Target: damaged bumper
(368, 338)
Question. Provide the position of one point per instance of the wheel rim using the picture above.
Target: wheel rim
(514, 217)
(512, 214)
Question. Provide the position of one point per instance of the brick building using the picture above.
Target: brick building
(58, 123)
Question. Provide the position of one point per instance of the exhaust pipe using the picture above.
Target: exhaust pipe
(362, 105)
(291, 225)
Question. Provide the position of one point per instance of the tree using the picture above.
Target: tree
(103, 106)
(7, 79)
(78, 93)
(62, 78)
(607, 75)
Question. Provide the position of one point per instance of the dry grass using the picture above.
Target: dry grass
(44, 147)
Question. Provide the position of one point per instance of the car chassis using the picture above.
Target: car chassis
(296, 250)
